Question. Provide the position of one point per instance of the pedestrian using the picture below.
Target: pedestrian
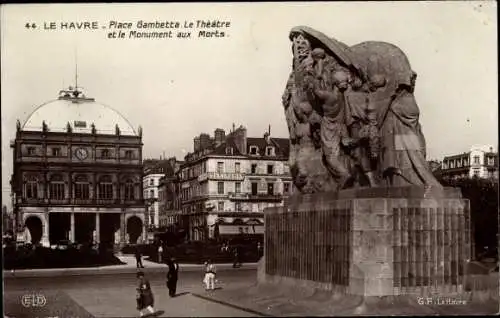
(236, 258)
(138, 257)
(210, 272)
(259, 249)
(160, 253)
(145, 298)
(172, 276)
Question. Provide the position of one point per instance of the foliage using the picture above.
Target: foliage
(483, 197)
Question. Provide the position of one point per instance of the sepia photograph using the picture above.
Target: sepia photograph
(249, 159)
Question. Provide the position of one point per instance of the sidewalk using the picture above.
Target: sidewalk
(275, 301)
(128, 268)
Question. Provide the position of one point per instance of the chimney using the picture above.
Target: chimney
(219, 136)
(240, 139)
(266, 137)
(196, 144)
(205, 141)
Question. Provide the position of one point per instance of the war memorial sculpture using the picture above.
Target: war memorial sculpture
(369, 218)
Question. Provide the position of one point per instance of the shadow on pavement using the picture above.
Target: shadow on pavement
(156, 314)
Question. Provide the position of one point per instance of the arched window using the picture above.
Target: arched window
(82, 187)
(105, 188)
(129, 190)
(56, 187)
(31, 188)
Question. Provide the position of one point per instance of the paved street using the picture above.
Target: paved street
(114, 295)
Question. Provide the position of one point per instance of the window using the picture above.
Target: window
(254, 168)
(254, 188)
(105, 188)
(204, 167)
(220, 187)
(229, 150)
(491, 161)
(270, 151)
(31, 191)
(129, 190)
(286, 168)
(31, 151)
(452, 164)
(151, 182)
(105, 153)
(237, 167)
(270, 188)
(220, 167)
(237, 187)
(56, 188)
(237, 206)
(270, 169)
(82, 188)
(220, 206)
(56, 152)
(459, 163)
(476, 159)
(151, 194)
(128, 154)
(286, 188)
(476, 172)
(254, 150)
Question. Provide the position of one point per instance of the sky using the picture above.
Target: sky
(178, 88)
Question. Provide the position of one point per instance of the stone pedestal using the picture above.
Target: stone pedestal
(370, 242)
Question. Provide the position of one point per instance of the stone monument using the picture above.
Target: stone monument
(369, 218)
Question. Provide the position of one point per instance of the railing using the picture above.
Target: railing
(81, 201)
(255, 197)
(229, 176)
(238, 196)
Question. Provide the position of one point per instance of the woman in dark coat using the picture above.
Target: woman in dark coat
(145, 299)
(172, 276)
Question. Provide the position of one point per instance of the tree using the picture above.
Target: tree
(483, 197)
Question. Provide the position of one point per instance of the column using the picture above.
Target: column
(72, 230)
(45, 236)
(97, 228)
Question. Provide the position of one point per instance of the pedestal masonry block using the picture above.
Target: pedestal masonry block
(369, 242)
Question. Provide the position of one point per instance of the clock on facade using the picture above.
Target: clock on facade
(81, 153)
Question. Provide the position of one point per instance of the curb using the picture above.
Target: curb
(255, 312)
(52, 272)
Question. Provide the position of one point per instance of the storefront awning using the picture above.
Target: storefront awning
(227, 229)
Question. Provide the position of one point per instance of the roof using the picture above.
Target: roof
(282, 145)
(80, 113)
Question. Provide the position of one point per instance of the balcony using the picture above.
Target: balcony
(222, 176)
(255, 197)
(91, 202)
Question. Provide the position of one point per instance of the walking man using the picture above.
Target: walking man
(236, 257)
(145, 299)
(172, 276)
(138, 257)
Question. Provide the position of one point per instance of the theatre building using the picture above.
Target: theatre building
(78, 174)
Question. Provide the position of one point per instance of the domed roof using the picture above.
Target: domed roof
(80, 112)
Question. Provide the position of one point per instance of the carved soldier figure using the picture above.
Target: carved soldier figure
(328, 86)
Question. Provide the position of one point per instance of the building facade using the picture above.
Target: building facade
(228, 181)
(480, 161)
(153, 172)
(169, 197)
(78, 174)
